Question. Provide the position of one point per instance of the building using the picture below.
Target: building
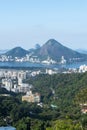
(30, 97)
(21, 77)
(82, 68)
(83, 108)
(34, 73)
(7, 84)
(24, 87)
(63, 60)
(50, 71)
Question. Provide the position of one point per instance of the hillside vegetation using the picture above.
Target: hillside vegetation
(60, 95)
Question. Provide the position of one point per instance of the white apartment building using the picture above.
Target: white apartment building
(83, 68)
(7, 83)
(21, 77)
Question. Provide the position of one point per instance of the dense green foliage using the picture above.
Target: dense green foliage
(66, 124)
(61, 95)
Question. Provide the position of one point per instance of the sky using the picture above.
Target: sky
(28, 22)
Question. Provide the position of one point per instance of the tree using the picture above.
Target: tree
(81, 97)
(66, 124)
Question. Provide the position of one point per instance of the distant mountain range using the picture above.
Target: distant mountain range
(83, 51)
(3, 51)
(52, 49)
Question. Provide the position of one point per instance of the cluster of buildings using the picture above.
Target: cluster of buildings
(12, 80)
(49, 61)
(32, 59)
(5, 58)
(51, 72)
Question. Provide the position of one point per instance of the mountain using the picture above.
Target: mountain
(56, 50)
(51, 50)
(37, 46)
(17, 52)
(83, 51)
(3, 51)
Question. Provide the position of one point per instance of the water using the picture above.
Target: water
(7, 128)
(27, 64)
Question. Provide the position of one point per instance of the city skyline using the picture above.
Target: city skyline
(26, 23)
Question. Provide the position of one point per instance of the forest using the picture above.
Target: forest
(61, 96)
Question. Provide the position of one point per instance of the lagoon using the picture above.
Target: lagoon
(7, 128)
(38, 65)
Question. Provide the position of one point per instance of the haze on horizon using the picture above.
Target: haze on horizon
(28, 22)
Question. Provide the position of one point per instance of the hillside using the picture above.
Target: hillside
(52, 49)
(4, 91)
(59, 90)
(56, 50)
(83, 51)
(3, 51)
(17, 52)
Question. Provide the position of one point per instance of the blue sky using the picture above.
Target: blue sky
(27, 22)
